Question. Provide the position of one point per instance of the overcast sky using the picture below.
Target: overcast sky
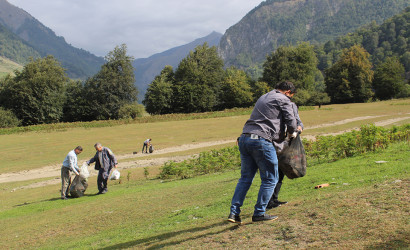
(146, 26)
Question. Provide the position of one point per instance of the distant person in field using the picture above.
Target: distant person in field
(272, 113)
(146, 145)
(104, 160)
(274, 202)
(69, 165)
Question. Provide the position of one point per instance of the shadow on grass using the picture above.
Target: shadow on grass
(52, 199)
(392, 244)
(155, 242)
(35, 202)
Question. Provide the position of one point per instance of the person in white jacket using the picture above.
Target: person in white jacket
(69, 165)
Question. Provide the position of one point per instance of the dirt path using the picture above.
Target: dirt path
(55, 170)
(133, 162)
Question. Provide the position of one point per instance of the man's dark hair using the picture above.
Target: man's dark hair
(79, 148)
(286, 85)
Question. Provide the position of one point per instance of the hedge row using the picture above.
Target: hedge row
(324, 149)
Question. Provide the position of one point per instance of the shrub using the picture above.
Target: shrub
(8, 119)
(325, 148)
(131, 111)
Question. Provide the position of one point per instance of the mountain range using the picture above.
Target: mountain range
(79, 63)
(147, 68)
(269, 25)
(286, 22)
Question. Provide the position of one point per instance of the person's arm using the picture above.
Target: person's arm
(288, 116)
(298, 121)
(72, 164)
(92, 160)
(112, 157)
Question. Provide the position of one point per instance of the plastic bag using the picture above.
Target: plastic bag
(115, 175)
(292, 159)
(78, 186)
(84, 171)
(151, 149)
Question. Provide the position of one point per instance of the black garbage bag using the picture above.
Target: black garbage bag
(151, 149)
(292, 159)
(78, 187)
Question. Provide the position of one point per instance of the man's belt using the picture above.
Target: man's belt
(252, 136)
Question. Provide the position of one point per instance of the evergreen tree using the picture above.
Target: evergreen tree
(350, 78)
(112, 87)
(36, 93)
(158, 98)
(389, 81)
(198, 80)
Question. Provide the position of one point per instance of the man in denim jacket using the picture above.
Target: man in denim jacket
(104, 161)
(273, 112)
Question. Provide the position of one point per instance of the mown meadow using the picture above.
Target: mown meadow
(366, 205)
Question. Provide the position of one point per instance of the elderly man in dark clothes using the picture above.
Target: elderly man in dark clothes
(104, 161)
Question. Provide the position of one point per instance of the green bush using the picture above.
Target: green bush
(8, 119)
(370, 138)
(324, 149)
(131, 111)
(207, 162)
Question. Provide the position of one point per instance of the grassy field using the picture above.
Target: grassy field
(37, 149)
(367, 206)
(7, 66)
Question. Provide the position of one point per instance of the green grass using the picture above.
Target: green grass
(366, 207)
(7, 66)
(23, 151)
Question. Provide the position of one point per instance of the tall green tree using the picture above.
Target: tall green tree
(350, 78)
(389, 80)
(198, 80)
(295, 64)
(259, 88)
(76, 105)
(36, 93)
(158, 98)
(235, 90)
(112, 87)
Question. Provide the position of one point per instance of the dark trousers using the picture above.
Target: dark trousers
(275, 194)
(145, 146)
(102, 179)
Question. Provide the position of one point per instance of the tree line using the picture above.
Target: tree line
(366, 65)
(200, 82)
(42, 93)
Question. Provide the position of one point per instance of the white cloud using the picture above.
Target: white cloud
(146, 26)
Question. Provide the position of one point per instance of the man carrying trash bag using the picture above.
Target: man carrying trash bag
(272, 113)
(104, 161)
(69, 165)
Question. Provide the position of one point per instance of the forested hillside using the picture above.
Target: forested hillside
(390, 39)
(286, 22)
(14, 48)
(78, 62)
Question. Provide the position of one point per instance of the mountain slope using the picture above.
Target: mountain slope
(7, 66)
(78, 62)
(147, 68)
(14, 48)
(282, 22)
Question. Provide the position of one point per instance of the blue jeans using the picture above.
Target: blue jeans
(256, 154)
